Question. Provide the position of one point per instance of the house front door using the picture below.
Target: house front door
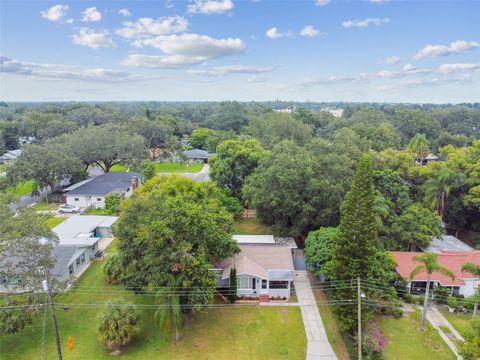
(263, 286)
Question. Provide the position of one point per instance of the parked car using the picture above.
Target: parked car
(67, 208)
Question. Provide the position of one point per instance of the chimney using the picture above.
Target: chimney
(134, 182)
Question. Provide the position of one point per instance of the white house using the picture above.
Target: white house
(464, 283)
(78, 242)
(263, 270)
(10, 156)
(92, 192)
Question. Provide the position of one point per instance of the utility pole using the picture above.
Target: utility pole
(359, 337)
(46, 288)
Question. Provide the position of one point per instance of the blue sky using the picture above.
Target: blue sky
(317, 50)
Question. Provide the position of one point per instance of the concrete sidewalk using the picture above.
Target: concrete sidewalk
(318, 347)
(436, 319)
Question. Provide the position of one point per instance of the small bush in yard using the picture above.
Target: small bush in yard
(119, 324)
(397, 313)
(452, 302)
(421, 299)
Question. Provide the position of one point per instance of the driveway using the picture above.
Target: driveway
(318, 347)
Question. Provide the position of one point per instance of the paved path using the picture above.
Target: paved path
(318, 347)
(436, 319)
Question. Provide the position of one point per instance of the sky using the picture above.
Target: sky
(213, 50)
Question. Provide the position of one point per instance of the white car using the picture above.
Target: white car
(67, 208)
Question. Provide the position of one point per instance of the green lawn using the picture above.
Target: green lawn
(119, 167)
(178, 167)
(95, 211)
(406, 341)
(247, 226)
(243, 332)
(54, 221)
(43, 206)
(461, 322)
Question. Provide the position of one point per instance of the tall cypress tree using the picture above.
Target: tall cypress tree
(232, 293)
(355, 249)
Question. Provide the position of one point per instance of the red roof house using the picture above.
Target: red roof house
(464, 282)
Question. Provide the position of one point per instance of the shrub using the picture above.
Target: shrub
(119, 324)
(421, 299)
(441, 294)
(452, 302)
(113, 270)
(112, 203)
(397, 313)
(408, 298)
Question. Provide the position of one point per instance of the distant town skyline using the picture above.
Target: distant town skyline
(312, 50)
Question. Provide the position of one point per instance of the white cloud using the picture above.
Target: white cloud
(257, 79)
(364, 23)
(380, 2)
(91, 14)
(309, 31)
(145, 27)
(184, 50)
(455, 47)
(391, 60)
(169, 4)
(231, 69)
(60, 72)
(55, 13)
(209, 6)
(93, 39)
(322, 2)
(273, 33)
(125, 12)
(451, 68)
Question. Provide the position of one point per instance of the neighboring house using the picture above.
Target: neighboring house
(92, 192)
(425, 160)
(464, 283)
(446, 243)
(10, 156)
(265, 239)
(197, 155)
(263, 270)
(78, 242)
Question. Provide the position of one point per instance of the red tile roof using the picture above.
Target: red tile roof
(452, 260)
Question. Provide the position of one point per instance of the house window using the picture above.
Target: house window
(99, 199)
(78, 261)
(243, 283)
(278, 284)
(76, 199)
(70, 269)
(264, 284)
(82, 258)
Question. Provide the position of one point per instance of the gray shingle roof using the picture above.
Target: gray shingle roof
(197, 154)
(62, 254)
(105, 184)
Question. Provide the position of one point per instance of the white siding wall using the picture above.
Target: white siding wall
(258, 290)
(469, 288)
(86, 201)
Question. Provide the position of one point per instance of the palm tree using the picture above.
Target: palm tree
(169, 313)
(475, 270)
(118, 324)
(430, 265)
(438, 187)
(419, 145)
